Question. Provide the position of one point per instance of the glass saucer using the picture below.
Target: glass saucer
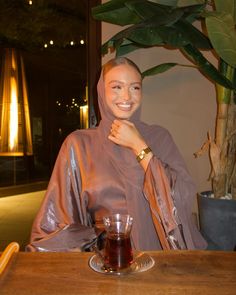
(142, 262)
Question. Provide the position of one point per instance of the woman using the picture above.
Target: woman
(122, 166)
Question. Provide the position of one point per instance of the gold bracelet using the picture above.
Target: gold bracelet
(143, 153)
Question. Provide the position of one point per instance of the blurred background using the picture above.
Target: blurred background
(50, 43)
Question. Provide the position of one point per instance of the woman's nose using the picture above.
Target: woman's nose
(126, 94)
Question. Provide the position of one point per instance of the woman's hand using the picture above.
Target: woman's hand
(124, 133)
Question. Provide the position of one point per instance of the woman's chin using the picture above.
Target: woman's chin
(125, 115)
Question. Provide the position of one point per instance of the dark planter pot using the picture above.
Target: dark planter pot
(217, 219)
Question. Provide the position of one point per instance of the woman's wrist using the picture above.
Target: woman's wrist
(143, 153)
(139, 146)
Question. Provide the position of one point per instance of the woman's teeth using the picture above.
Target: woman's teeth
(124, 106)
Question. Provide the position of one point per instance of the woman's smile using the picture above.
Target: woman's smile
(124, 106)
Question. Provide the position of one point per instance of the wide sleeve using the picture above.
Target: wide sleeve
(63, 223)
(170, 191)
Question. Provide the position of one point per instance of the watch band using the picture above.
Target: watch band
(143, 153)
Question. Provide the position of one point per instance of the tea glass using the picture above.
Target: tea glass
(118, 254)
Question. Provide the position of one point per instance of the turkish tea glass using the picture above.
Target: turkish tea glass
(118, 250)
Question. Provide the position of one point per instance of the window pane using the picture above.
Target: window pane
(57, 82)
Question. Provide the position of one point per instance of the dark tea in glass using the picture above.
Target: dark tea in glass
(118, 250)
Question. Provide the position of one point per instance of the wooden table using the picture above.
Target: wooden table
(174, 272)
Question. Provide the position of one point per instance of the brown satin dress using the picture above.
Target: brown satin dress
(94, 177)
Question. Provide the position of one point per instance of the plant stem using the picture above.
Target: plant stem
(223, 138)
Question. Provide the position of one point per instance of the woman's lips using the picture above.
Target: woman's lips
(124, 106)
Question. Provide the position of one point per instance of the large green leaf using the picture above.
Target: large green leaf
(127, 47)
(115, 12)
(146, 36)
(179, 3)
(147, 10)
(166, 2)
(206, 67)
(158, 69)
(227, 6)
(136, 36)
(151, 33)
(222, 33)
(184, 3)
(172, 37)
(192, 35)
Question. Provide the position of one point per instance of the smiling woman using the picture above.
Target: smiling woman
(122, 166)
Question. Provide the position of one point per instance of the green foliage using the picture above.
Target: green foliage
(115, 12)
(158, 69)
(221, 31)
(170, 24)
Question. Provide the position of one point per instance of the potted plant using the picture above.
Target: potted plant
(171, 24)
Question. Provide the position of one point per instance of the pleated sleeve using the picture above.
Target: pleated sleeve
(170, 192)
(63, 223)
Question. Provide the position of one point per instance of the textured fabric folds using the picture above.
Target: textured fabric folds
(94, 177)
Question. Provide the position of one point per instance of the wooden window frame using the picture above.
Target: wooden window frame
(93, 62)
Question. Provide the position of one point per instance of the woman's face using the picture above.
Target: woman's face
(123, 90)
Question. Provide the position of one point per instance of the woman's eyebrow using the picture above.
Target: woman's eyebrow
(118, 81)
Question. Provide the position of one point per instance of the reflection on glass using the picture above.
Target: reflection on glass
(15, 129)
(56, 39)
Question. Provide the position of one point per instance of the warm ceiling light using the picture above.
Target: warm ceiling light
(51, 42)
(30, 2)
(82, 41)
(45, 45)
(72, 43)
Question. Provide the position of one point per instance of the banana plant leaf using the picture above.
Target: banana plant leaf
(159, 69)
(126, 12)
(127, 47)
(196, 57)
(173, 30)
(149, 33)
(138, 35)
(222, 33)
(206, 67)
(146, 10)
(179, 3)
(183, 33)
(227, 6)
(115, 12)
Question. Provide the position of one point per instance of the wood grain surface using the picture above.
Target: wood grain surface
(174, 272)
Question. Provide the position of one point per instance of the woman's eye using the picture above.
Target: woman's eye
(116, 87)
(135, 87)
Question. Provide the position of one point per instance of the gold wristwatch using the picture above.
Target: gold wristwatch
(143, 153)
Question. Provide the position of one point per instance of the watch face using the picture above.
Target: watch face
(142, 155)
